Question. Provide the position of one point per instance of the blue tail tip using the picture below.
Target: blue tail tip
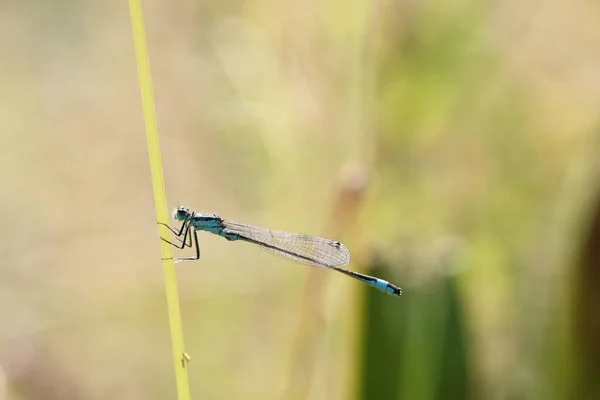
(394, 290)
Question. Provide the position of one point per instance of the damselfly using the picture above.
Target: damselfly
(304, 249)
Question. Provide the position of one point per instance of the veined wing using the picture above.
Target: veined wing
(304, 249)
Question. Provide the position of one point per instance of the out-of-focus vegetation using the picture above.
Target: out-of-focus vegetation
(451, 145)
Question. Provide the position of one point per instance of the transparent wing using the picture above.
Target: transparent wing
(304, 249)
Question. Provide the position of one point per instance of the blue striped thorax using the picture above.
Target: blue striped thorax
(207, 222)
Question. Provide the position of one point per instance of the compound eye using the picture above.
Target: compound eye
(180, 212)
(183, 210)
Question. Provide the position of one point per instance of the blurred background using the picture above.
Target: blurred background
(452, 146)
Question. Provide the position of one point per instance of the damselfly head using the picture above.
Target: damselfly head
(181, 213)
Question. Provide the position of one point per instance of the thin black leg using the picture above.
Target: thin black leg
(173, 230)
(185, 230)
(183, 242)
(197, 257)
(188, 244)
(190, 239)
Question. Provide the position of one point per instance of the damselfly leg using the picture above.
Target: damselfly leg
(185, 230)
(177, 234)
(183, 242)
(197, 256)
